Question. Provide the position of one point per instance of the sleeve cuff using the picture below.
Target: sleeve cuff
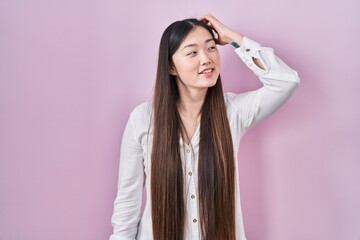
(248, 50)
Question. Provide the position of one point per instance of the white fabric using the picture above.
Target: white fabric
(244, 110)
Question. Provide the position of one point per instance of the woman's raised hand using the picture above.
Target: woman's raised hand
(225, 34)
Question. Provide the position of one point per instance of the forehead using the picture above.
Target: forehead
(197, 35)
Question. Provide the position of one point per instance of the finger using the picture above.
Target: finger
(213, 23)
(207, 18)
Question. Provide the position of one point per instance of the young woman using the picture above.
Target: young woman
(183, 146)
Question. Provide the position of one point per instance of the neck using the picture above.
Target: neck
(190, 109)
(191, 101)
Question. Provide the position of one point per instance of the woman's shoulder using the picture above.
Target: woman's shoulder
(141, 114)
(142, 108)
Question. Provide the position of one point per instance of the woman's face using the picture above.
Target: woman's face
(196, 63)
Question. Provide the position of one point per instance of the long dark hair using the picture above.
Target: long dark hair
(216, 167)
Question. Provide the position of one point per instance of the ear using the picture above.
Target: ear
(172, 70)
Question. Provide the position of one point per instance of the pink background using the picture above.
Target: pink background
(71, 71)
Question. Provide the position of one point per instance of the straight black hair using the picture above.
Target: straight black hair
(216, 176)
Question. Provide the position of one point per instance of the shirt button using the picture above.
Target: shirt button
(188, 150)
(194, 220)
(192, 196)
(190, 173)
(248, 50)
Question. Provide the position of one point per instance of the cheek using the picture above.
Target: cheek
(217, 58)
(187, 67)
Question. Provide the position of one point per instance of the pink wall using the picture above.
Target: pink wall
(71, 71)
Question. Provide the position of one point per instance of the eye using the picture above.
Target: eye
(193, 53)
(212, 48)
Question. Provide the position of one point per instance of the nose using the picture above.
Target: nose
(204, 58)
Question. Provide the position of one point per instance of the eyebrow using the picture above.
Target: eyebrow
(194, 44)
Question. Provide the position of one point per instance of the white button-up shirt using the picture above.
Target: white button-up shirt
(243, 110)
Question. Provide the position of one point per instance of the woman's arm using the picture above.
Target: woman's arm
(127, 205)
(226, 35)
(279, 80)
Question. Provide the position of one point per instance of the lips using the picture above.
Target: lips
(207, 70)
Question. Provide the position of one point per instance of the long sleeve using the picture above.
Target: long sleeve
(127, 205)
(279, 82)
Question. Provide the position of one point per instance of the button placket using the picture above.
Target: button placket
(193, 205)
(191, 157)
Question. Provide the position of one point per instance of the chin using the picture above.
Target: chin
(212, 83)
(209, 82)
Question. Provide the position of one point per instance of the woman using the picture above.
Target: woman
(183, 146)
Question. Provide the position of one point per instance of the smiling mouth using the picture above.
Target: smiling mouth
(206, 71)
